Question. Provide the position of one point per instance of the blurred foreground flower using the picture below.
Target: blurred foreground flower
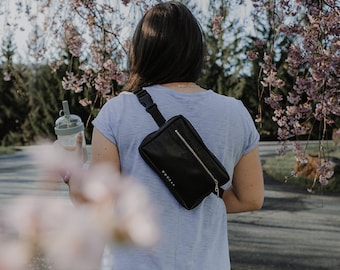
(72, 236)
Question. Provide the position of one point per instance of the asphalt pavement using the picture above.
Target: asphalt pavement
(293, 230)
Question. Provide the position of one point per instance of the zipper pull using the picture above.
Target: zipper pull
(217, 190)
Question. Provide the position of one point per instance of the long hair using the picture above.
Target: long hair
(167, 46)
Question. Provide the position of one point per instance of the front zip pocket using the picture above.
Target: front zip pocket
(199, 160)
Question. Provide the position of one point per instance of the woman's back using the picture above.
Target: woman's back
(195, 239)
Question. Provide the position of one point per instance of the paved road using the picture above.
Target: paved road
(19, 176)
(294, 230)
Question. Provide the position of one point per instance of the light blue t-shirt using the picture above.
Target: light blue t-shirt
(190, 239)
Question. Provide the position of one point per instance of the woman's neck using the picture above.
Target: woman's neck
(187, 87)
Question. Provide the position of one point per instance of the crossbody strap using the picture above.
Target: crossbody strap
(151, 107)
(146, 100)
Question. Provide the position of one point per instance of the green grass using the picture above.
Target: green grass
(280, 169)
(7, 150)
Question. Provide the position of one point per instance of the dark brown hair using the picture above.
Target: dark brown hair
(167, 46)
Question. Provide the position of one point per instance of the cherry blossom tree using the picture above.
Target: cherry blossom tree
(91, 37)
(313, 62)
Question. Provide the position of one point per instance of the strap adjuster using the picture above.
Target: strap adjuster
(144, 98)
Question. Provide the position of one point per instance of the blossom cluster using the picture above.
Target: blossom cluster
(313, 57)
(62, 235)
(216, 22)
(89, 37)
(98, 70)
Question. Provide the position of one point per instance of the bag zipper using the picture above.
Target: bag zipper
(199, 160)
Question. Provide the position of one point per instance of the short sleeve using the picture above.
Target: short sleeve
(252, 137)
(106, 120)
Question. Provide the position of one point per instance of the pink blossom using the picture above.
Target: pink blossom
(293, 98)
(55, 65)
(13, 255)
(259, 43)
(326, 168)
(85, 102)
(68, 81)
(300, 129)
(318, 75)
(73, 39)
(69, 236)
(258, 119)
(323, 180)
(110, 65)
(252, 55)
(56, 161)
(103, 83)
(283, 149)
(267, 59)
(273, 100)
(284, 134)
(72, 82)
(271, 80)
(217, 24)
(7, 76)
(122, 199)
(66, 236)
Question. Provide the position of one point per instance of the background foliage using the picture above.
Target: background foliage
(258, 51)
(32, 91)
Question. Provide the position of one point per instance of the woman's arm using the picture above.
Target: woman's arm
(104, 150)
(247, 191)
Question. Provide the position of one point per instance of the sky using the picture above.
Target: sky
(8, 16)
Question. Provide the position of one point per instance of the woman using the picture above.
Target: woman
(166, 58)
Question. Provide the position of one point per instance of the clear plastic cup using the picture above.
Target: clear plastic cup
(68, 127)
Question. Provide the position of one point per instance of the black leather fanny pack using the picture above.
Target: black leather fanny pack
(179, 156)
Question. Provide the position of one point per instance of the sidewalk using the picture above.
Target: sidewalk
(294, 230)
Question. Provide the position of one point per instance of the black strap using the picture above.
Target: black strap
(146, 100)
(220, 192)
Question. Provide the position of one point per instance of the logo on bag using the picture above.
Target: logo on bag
(168, 178)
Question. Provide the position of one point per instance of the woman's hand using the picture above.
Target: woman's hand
(77, 153)
(72, 171)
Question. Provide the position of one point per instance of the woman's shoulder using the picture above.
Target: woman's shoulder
(122, 97)
(225, 100)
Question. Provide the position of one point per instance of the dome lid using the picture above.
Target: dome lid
(67, 124)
